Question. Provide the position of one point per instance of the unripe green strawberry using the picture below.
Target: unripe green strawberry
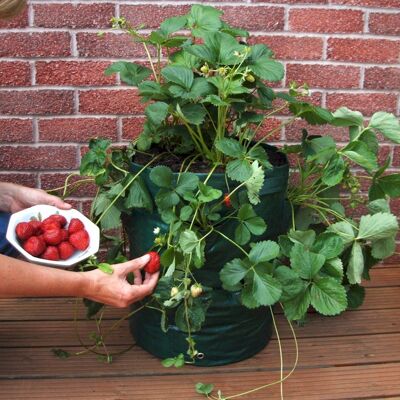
(174, 291)
(196, 290)
(250, 78)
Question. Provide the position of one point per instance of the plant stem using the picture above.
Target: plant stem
(234, 243)
(275, 382)
(126, 187)
(151, 62)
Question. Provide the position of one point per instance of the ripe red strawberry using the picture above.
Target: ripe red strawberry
(24, 230)
(37, 226)
(154, 264)
(64, 234)
(80, 239)
(35, 246)
(51, 220)
(75, 225)
(51, 253)
(65, 250)
(59, 219)
(227, 200)
(50, 225)
(53, 236)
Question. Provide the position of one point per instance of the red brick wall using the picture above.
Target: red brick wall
(54, 96)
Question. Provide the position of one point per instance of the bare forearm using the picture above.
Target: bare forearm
(21, 279)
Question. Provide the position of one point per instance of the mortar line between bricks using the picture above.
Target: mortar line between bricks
(138, 59)
(366, 22)
(292, 34)
(133, 90)
(398, 105)
(362, 77)
(286, 27)
(222, 3)
(31, 15)
(117, 10)
(35, 130)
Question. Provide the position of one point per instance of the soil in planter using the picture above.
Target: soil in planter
(174, 161)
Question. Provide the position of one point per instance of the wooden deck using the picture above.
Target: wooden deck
(354, 356)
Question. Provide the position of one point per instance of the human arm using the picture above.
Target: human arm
(21, 279)
(15, 198)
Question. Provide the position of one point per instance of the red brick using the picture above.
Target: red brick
(151, 15)
(43, 44)
(25, 179)
(76, 129)
(270, 129)
(369, 3)
(366, 103)
(109, 45)
(57, 180)
(257, 18)
(38, 158)
(19, 21)
(73, 73)
(384, 24)
(364, 50)
(293, 1)
(132, 127)
(382, 78)
(110, 102)
(15, 73)
(326, 20)
(324, 76)
(293, 48)
(293, 131)
(16, 130)
(73, 15)
(38, 102)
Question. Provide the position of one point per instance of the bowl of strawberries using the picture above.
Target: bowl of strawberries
(46, 235)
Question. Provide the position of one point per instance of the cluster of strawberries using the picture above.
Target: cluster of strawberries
(51, 239)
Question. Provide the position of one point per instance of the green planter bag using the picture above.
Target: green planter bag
(231, 331)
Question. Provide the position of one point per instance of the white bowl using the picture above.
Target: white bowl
(43, 211)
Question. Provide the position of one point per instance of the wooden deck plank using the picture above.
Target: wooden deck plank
(62, 333)
(20, 363)
(366, 381)
(62, 309)
(353, 356)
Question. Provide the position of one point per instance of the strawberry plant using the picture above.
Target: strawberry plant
(208, 96)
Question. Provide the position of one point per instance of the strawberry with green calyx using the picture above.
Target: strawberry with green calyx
(196, 290)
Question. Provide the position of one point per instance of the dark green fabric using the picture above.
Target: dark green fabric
(231, 332)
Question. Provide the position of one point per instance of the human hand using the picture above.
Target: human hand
(15, 198)
(114, 289)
